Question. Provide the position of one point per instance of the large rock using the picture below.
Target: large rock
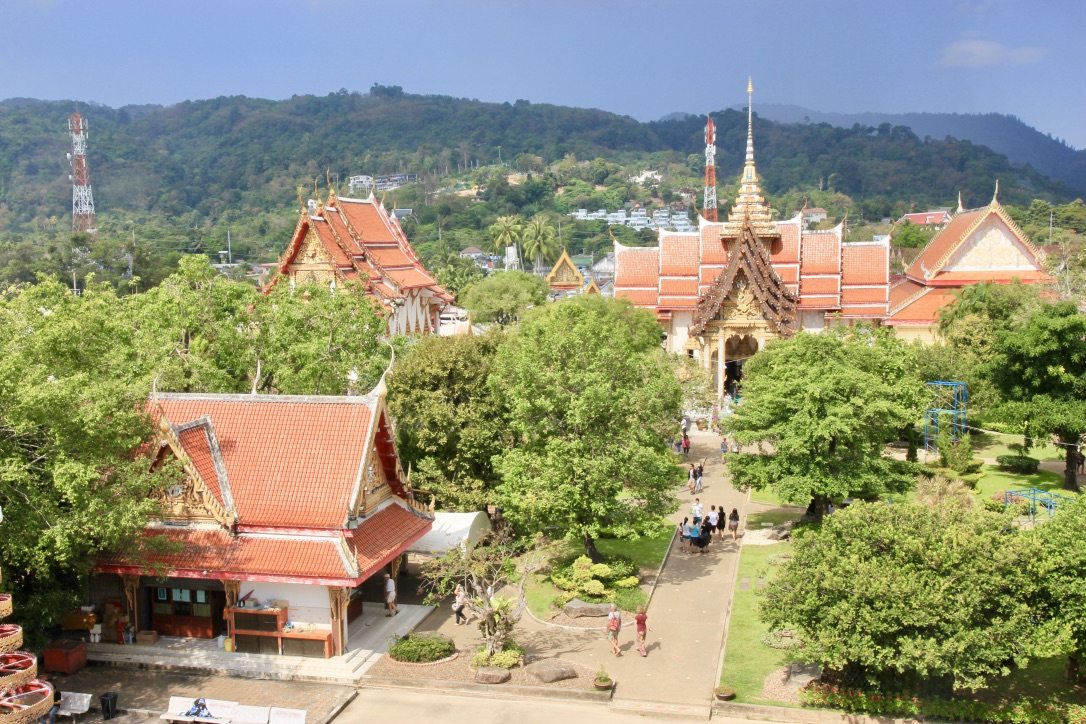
(492, 675)
(551, 670)
(799, 675)
(580, 609)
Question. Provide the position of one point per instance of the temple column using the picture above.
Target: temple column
(720, 366)
(338, 598)
(131, 597)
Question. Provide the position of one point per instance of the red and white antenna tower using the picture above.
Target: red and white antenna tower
(709, 200)
(82, 198)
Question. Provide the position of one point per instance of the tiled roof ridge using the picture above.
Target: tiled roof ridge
(908, 300)
(217, 462)
(291, 251)
(369, 399)
(957, 243)
(335, 236)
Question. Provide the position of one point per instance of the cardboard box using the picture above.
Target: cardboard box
(147, 638)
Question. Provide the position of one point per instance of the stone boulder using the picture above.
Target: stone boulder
(492, 675)
(799, 675)
(580, 609)
(551, 670)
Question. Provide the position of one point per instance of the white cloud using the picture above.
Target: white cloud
(977, 53)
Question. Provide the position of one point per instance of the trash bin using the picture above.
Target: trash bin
(109, 704)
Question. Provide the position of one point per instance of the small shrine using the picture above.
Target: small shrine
(564, 276)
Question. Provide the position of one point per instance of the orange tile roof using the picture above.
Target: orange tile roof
(923, 310)
(818, 301)
(677, 302)
(821, 254)
(788, 249)
(290, 460)
(679, 287)
(639, 297)
(875, 312)
(865, 263)
(639, 266)
(197, 447)
(385, 535)
(370, 222)
(789, 273)
(709, 274)
(248, 556)
(945, 241)
(818, 285)
(712, 248)
(679, 254)
(971, 277)
(410, 278)
(900, 292)
(853, 295)
(389, 257)
(324, 231)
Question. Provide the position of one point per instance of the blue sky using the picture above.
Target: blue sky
(636, 57)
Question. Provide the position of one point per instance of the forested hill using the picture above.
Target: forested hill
(1005, 134)
(242, 154)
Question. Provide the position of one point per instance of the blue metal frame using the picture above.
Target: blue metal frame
(948, 407)
(1037, 497)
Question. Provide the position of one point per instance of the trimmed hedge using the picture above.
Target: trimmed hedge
(1018, 464)
(1025, 711)
(422, 649)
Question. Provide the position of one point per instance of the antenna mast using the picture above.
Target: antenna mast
(709, 201)
(82, 199)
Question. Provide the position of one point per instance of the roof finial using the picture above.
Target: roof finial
(995, 196)
(960, 208)
(750, 120)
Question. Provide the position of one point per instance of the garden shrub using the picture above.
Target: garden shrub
(507, 658)
(422, 648)
(774, 640)
(628, 599)
(628, 582)
(1018, 464)
(594, 582)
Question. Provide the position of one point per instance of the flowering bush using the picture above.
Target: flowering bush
(1026, 711)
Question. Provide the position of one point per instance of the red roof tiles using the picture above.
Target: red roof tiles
(821, 254)
(865, 263)
(290, 461)
(679, 254)
(383, 536)
(639, 266)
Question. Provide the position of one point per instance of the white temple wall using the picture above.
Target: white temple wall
(812, 320)
(307, 603)
(679, 331)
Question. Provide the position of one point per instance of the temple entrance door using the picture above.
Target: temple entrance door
(737, 350)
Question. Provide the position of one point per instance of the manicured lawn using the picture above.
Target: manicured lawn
(1040, 680)
(995, 481)
(747, 661)
(767, 497)
(986, 445)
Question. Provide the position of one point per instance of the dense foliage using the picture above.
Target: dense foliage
(947, 593)
(422, 648)
(589, 401)
(821, 407)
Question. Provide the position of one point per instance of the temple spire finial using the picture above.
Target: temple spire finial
(750, 121)
(749, 203)
(960, 207)
(995, 194)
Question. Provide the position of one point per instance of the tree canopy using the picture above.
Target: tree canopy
(821, 407)
(905, 593)
(503, 297)
(590, 401)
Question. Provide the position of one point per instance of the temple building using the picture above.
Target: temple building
(980, 245)
(344, 239)
(284, 506)
(724, 291)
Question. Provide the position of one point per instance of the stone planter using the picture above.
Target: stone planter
(723, 693)
(445, 660)
(603, 684)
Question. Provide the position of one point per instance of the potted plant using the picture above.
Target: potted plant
(724, 693)
(603, 680)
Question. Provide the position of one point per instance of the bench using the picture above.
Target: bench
(222, 712)
(286, 716)
(251, 715)
(73, 704)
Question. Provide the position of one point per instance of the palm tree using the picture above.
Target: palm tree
(540, 241)
(505, 231)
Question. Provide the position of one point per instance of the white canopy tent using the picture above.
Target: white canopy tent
(452, 530)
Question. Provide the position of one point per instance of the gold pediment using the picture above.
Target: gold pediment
(564, 273)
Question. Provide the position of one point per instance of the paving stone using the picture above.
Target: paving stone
(492, 675)
(550, 670)
(579, 609)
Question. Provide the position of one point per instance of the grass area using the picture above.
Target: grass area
(995, 481)
(767, 497)
(986, 445)
(747, 661)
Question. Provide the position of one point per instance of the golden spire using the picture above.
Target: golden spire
(750, 203)
(960, 208)
(995, 195)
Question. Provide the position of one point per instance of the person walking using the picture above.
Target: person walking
(721, 523)
(699, 471)
(696, 511)
(733, 523)
(642, 621)
(390, 596)
(614, 625)
(691, 481)
(686, 444)
(460, 602)
(714, 520)
(723, 448)
(684, 533)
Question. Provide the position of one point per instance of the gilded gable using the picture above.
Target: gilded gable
(991, 247)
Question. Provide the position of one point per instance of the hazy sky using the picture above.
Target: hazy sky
(641, 58)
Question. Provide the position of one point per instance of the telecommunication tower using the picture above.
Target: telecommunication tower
(82, 198)
(709, 201)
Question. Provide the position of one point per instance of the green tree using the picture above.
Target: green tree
(449, 425)
(503, 296)
(1039, 365)
(540, 241)
(590, 402)
(504, 232)
(72, 425)
(904, 594)
(1062, 575)
(821, 407)
(907, 235)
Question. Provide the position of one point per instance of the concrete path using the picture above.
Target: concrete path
(688, 611)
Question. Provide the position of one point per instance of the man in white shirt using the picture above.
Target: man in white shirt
(390, 596)
(695, 511)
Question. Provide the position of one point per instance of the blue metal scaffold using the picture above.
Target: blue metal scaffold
(948, 408)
